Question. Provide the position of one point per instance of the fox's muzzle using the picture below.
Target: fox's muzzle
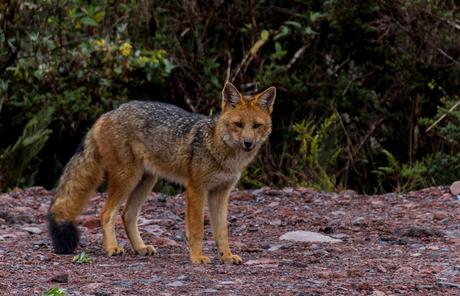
(248, 145)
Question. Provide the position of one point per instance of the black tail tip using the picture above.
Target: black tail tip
(64, 235)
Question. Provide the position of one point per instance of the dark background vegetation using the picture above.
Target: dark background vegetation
(359, 82)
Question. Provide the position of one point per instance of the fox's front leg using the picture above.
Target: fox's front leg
(218, 208)
(195, 223)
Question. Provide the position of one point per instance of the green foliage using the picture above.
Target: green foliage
(55, 292)
(20, 157)
(387, 70)
(82, 258)
(80, 59)
(317, 153)
(403, 176)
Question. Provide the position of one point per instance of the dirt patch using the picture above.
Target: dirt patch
(390, 244)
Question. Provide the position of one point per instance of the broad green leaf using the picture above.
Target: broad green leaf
(88, 21)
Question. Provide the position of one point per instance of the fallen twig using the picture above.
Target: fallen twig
(443, 116)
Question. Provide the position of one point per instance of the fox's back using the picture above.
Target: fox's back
(156, 117)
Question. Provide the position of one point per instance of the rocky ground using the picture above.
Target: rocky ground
(389, 245)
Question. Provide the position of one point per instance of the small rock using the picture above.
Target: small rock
(90, 222)
(327, 274)
(92, 287)
(150, 280)
(357, 221)
(448, 285)
(288, 190)
(348, 193)
(164, 241)
(226, 283)
(154, 229)
(273, 204)
(418, 232)
(275, 247)
(340, 236)
(33, 230)
(378, 293)
(209, 291)
(455, 188)
(275, 222)
(60, 278)
(7, 236)
(308, 236)
(262, 261)
(175, 284)
(338, 213)
(440, 215)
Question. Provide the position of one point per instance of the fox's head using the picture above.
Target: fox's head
(245, 121)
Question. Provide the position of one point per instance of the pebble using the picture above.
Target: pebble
(92, 287)
(33, 230)
(175, 284)
(308, 236)
(262, 261)
(273, 204)
(90, 222)
(448, 285)
(357, 221)
(340, 236)
(275, 247)
(275, 222)
(440, 215)
(60, 278)
(227, 283)
(209, 291)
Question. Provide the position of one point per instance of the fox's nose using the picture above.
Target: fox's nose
(247, 144)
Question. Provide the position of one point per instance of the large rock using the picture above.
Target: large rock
(455, 188)
(308, 236)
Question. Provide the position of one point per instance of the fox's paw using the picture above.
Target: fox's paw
(112, 251)
(231, 259)
(201, 259)
(146, 250)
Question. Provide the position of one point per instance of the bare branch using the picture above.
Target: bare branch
(295, 57)
(443, 116)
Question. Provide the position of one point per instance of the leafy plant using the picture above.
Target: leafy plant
(82, 258)
(56, 291)
(404, 176)
(317, 153)
(19, 157)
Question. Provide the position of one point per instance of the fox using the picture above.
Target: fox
(139, 142)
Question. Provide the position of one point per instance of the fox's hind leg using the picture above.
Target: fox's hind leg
(131, 214)
(120, 186)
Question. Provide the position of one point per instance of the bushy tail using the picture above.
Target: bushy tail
(81, 177)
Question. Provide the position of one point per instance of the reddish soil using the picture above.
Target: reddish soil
(391, 244)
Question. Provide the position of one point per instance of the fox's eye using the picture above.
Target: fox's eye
(238, 124)
(257, 125)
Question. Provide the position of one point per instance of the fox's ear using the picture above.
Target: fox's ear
(267, 98)
(230, 95)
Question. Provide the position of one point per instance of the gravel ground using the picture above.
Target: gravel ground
(391, 244)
